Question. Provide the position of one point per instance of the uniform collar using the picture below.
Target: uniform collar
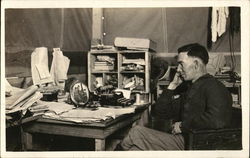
(207, 75)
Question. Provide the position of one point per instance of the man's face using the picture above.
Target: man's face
(186, 66)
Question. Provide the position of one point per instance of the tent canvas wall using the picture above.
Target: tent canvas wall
(71, 30)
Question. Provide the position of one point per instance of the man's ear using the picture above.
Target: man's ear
(196, 64)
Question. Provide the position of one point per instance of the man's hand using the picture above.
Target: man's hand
(176, 128)
(176, 81)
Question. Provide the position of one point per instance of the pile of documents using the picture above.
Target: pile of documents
(81, 115)
(67, 112)
(20, 99)
(104, 63)
(29, 100)
(47, 108)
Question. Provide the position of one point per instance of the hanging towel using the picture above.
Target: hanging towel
(59, 67)
(219, 21)
(39, 66)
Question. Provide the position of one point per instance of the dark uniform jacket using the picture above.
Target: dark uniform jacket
(205, 104)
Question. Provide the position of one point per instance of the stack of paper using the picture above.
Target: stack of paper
(50, 108)
(56, 107)
(21, 99)
(85, 115)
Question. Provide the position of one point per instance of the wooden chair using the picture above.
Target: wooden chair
(221, 139)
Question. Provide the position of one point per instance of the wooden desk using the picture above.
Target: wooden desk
(98, 131)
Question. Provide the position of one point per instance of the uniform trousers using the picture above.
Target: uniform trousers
(143, 138)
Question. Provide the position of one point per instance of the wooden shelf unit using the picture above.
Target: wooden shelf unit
(118, 70)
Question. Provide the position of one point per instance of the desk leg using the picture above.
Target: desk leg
(99, 144)
(26, 140)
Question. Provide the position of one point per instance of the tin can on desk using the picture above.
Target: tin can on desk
(141, 98)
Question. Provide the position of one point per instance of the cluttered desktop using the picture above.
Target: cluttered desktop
(118, 85)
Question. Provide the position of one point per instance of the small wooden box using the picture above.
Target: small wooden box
(135, 43)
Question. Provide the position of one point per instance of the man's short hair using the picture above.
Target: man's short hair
(195, 50)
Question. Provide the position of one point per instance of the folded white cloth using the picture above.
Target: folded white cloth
(219, 21)
(39, 66)
(59, 67)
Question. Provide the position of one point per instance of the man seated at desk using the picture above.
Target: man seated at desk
(193, 100)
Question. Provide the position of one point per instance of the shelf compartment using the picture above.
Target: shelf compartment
(103, 62)
(96, 80)
(111, 79)
(132, 67)
(133, 81)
